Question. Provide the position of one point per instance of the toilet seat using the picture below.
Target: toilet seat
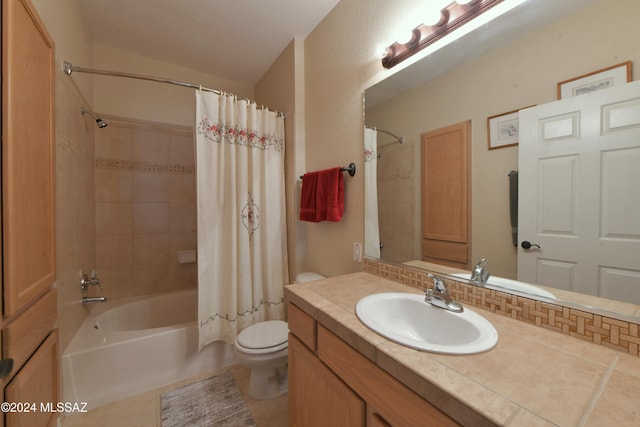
(264, 337)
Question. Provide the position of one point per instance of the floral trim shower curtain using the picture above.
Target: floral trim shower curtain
(242, 252)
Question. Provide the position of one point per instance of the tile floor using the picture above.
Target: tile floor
(143, 410)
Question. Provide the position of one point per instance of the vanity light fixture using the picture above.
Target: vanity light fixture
(452, 17)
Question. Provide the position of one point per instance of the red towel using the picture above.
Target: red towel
(308, 197)
(322, 196)
(330, 195)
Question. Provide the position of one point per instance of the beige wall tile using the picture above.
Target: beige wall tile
(114, 142)
(183, 188)
(150, 187)
(144, 190)
(183, 217)
(150, 146)
(64, 173)
(151, 249)
(83, 182)
(113, 185)
(151, 218)
(114, 251)
(75, 215)
(64, 225)
(182, 150)
(151, 279)
(114, 218)
(117, 282)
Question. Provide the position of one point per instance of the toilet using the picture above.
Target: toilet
(263, 348)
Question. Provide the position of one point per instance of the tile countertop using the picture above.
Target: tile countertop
(533, 377)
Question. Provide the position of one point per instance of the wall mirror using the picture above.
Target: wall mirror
(511, 63)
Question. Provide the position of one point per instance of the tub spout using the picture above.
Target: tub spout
(93, 300)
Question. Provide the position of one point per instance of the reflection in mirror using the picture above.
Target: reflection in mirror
(507, 65)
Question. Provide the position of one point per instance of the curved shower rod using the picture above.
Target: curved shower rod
(69, 68)
(400, 139)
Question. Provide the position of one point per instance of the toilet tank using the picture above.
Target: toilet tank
(308, 276)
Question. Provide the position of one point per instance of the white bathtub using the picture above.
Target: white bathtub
(130, 346)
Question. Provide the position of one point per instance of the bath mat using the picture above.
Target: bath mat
(214, 401)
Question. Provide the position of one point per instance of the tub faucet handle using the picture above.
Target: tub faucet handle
(85, 281)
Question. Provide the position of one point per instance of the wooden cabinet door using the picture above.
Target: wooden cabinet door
(389, 402)
(317, 397)
(29, 306)
(28, 156)
(36, 383)
(446, 195)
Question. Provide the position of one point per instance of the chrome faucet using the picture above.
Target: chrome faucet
(439, 296)
(93, 300)
(479, 275)
(85, 282)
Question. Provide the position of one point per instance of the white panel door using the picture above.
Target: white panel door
(579, 193)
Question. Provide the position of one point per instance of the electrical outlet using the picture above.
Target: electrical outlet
(357, 252)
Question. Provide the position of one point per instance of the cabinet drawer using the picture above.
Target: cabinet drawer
(389, 401)
(29, 329)
(302, 326)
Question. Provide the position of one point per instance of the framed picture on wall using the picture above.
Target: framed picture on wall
(503, 130)
(596, 80)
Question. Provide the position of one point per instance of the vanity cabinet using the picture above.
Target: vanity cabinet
(331, 383)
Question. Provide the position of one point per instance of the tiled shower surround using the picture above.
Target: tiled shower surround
(620, 335)
(145, 194)
(396, 202)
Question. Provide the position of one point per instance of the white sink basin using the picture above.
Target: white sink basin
(512, 285)
(408, 320)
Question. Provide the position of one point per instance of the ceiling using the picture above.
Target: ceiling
(233, 39)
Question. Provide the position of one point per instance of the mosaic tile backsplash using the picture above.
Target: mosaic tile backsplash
(617, 334)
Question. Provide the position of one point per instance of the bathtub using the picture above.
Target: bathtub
(126, 347)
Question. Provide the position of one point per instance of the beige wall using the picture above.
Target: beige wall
(278, 89)
(145, 100)
(63, 19)
(523, 73)
(338, 63)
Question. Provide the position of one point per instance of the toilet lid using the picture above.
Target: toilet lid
(264, 335)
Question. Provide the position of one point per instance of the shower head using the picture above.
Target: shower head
(101, 123)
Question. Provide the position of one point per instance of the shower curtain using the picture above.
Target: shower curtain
(371, 227)
(242, 253)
